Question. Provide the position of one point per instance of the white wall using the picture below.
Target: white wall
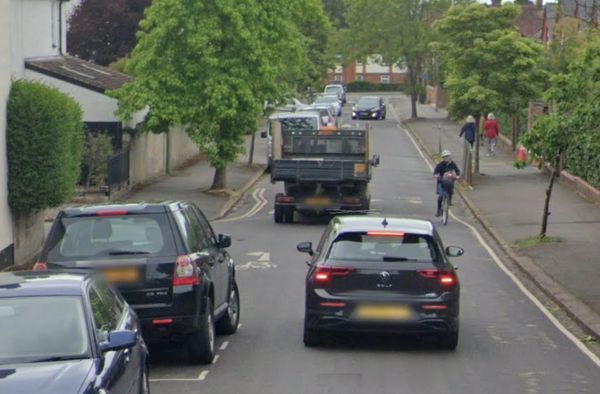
(96, 107)
(6, 234)
(34, 30)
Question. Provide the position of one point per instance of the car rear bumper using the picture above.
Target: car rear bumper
(168, 329)
(420, 326)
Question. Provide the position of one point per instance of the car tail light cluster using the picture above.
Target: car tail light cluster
(185, 272)
(445, 277)
(323, 275)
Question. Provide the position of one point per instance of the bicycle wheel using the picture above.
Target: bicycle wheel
(445, 209)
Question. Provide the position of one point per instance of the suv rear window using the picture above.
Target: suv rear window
(93, 236)
(384, 246)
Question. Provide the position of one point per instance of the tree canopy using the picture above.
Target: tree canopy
(210, 65)
(103, 31)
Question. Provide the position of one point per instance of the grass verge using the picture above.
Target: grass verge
(535, 241)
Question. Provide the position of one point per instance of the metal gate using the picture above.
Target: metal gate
(118, 170)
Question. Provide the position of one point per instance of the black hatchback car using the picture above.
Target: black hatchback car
(165, 260)
(376, 274)
(369, 107)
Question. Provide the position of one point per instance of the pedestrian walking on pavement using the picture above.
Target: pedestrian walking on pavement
(491, 130)
(468, 130)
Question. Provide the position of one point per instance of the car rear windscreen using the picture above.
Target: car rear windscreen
(299, 123)
(104, 236)
(384, 246)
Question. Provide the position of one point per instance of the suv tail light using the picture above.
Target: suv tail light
(446, 278)
(40, 266)
(185, 272)
(323, 275)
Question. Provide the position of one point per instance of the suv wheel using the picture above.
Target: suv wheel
(201, 345)
(288, 214)
(228, 324)
(448, 340)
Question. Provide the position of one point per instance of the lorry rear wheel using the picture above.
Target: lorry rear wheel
(288, 214)
(278, 214)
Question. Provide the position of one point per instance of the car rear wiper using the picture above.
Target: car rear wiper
(118, 252)
(60, 358)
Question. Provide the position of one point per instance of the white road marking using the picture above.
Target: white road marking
(239, 326)
(202, 375)
(261, 201)
(224, 345)
(508, 273)
(216, 359)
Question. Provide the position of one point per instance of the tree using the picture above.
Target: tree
(210, 65)
(575, 112)
(103, 31)
(489, 66)
(335, 10)
(398, 30)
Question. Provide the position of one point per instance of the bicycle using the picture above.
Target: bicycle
(446, 183)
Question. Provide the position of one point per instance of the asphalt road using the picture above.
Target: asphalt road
(507, 344)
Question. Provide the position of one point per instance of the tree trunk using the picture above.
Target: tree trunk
(553, 175)
(477, 142)
(251, 155)
(414, 91)
(515, 131)
(220, 178)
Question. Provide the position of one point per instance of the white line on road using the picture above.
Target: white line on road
(508, 273)
(202, 375)
(261, 201)
(224, 345)
(216, 359)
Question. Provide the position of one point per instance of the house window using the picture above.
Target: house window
(338, 77)
(385, 78)
(360, 77)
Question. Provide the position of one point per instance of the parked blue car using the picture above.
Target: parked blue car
(68, 332)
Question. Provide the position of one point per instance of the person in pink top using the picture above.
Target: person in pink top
(491, 130)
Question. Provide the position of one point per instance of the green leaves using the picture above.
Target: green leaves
(44, 142)
(488, 66)
(211, 64)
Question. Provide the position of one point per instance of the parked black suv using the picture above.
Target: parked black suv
(166, 261)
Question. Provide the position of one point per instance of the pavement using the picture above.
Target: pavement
(509, 204)
(193, 183)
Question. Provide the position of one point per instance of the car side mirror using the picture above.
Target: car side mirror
(375, 160)
(305, 247)
(454, 251)
(224, 241)
(263, 134)
(119, 340)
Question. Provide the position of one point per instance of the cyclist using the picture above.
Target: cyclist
(442, 170)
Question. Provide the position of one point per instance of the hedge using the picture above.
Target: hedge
(44, 140)
(366, 86)
(583, 159)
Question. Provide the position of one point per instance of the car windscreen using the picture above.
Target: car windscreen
(333, 89)
(85, 237)
(299, 123)
(36, 329)
(326, 99)
(384, 246)
(368, 101)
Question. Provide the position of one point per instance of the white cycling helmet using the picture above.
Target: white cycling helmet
(446, 153)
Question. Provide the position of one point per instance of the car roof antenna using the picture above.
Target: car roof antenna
(384, 223)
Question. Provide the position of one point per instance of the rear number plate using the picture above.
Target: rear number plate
(318, 201)
(387, 312)
(121, 275)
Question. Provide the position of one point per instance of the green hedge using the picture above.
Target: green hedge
(366, 86)
(44, 141)
(583, 159)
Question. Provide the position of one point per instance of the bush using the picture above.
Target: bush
(44, 142)
(366, 86)
(97, 148)
(583, 159)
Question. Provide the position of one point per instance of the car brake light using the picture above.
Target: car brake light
(446, 278)
(185, 272)
(333, 304)
(325, 274)
(162, 322)
(40, 266)
(114, 212)
(434, 307)
(385, 234)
